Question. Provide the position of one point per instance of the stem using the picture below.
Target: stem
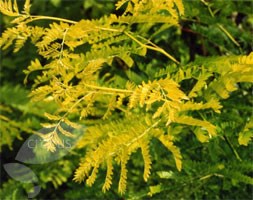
(156, 48)
(65, 114)
(38, 17)
(108, 89)
(108, 29)
(144, 133)
(62, 46)
(228, 35)
(140, 136)
(232, 148)
(210, 175)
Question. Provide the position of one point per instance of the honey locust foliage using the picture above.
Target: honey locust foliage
(122, 113)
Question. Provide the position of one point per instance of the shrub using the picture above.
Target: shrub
(153, 77)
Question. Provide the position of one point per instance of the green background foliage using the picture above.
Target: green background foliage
(208, 33)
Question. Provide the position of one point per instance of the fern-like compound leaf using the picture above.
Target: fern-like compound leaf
(123, 173)
(109, 173)
(7, 8)
(147, 159)
(168, 143)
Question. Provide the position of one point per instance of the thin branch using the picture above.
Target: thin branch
(154, 48)
(108, 89)
(39, 17)
(232, 148)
